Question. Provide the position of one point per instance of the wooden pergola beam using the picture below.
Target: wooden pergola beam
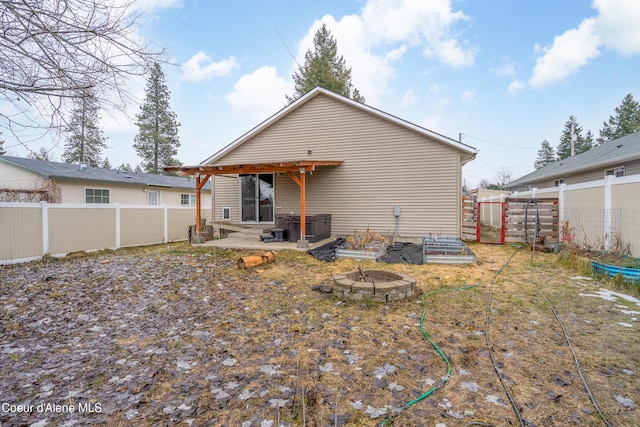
(252, 168)
(291, 167)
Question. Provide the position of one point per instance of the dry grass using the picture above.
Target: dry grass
(259, 345)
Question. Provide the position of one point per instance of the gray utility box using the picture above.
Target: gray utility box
(318, 227)
(446, 250)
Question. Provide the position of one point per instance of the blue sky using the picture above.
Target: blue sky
(504, 74)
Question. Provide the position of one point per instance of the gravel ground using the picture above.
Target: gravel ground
(172, 335)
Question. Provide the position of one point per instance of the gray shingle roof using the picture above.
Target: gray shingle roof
(73, 172)
(611, 153)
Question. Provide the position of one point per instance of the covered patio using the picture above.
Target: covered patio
(295, 169)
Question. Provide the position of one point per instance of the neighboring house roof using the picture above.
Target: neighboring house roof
(466, 149)
(611, 153)
(74, 172)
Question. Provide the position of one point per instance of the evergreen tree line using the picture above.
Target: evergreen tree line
(626, 120)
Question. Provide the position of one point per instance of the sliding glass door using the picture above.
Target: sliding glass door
(257, 197)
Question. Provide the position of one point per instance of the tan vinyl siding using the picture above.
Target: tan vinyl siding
(227, 194)
(385, 164)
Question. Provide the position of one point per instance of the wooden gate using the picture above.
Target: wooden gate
(524, 219)
(469, 218)
(528, 218)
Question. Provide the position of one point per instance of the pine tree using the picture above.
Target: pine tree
(546, 155)
(106, 164)
(125, 167)
(625, 121)
(564, 147)
(85, 140)
(2, 150)
(586, 144)
(157, 140)
(42, 154)
(323, 67)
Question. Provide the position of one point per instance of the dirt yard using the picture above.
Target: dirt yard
(177, 335)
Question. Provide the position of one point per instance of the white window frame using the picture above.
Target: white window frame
(157, 198)
(108, 191)
(192, 199)
(616, 171)
(557, 182)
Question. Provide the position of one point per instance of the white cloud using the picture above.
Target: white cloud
(507, 69)
(409, 98)
(149, 5)
(200, 67)
(569, 51)
(372, 41)
(469, 96)
(516, 87)
(260, 94)
(617, 25)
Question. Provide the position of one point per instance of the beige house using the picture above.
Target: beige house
(30, 180)
(327, 154)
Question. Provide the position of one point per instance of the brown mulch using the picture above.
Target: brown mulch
(175, 334)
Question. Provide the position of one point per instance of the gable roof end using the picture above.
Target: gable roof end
(468, 150)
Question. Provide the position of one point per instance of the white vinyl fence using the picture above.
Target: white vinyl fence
(601, 214)
(29, 231)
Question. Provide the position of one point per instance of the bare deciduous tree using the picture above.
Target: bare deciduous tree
(53, 51)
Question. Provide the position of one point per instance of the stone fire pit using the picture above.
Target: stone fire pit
(373, 285)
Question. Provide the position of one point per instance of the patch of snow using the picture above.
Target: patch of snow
(626, 325)
(627, 403)
(222, 395)
(230, 361)
(445, 404)
(328, 367)
(375, 412)
(612, 296)
(395, 387)
(495, 400)
(471, 386)
(270, 370)
(246, 394)
(278, 403)
(356, 405)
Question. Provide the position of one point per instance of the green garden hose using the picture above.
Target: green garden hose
(445, 378)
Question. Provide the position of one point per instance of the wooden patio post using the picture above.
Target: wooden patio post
(200, 182)
(303, 203)
(198, 204)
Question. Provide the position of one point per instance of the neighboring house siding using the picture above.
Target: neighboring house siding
(385, 164)
(123, 194)
(15, 178)
(631, 168)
